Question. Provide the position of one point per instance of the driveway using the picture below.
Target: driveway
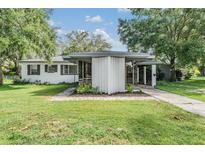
(188, 104)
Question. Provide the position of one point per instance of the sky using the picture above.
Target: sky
(98, 21)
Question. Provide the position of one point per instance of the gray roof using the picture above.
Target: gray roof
(54, 59)
(85, 55)
(109, 53)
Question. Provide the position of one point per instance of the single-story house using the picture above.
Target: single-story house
(109, 71)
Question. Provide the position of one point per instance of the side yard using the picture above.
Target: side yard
(193, 88)
(28, 117)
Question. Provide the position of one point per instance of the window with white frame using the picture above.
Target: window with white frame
(68, 69)
(33, 69)
(51, 68)
(72, 69)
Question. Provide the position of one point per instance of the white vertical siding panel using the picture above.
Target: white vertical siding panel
(100, 73)
(108, 74)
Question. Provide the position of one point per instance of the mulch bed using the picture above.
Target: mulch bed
(120, 94)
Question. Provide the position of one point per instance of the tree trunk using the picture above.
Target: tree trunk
(172, 70)
(1, 75)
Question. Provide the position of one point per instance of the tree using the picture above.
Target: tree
(175, 35)
(25, 32)
(82, 41)
(201, 64)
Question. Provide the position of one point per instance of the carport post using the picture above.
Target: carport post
(138, 74)
(133, 74)
(153, 75)
(145, 76)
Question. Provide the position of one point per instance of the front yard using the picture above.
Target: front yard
(28, 117)
(193, 88)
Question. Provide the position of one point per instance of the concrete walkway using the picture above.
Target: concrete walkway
(183, 102)
(66, 92)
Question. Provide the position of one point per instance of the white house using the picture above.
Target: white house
(110, 71)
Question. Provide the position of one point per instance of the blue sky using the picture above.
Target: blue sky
(100, 21)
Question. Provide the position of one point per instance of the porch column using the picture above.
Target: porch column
(83, 64)
(138, 74)
(133, 75)
(153, 75)
(145, 75)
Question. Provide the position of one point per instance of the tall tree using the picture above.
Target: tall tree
(25, 32)
(82, 41)
(176, 35)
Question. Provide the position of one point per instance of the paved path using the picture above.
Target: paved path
(66, 92)
(183, 102)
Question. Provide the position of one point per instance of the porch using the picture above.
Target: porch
(111, 71)
(137, 75)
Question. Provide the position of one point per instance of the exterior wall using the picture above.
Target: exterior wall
(53, 78)
(108, 74)
(116, 74)
(100, 73)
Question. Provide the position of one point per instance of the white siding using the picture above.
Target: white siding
(100, 73)
(52, 78)
(116, 75)
(108, 74)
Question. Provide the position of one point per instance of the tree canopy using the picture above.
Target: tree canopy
(175, 35)
(82, 41)
(25, 32)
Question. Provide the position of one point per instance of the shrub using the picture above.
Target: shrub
(130, 88)
(20, 81)
(83, 88)
(86, 88)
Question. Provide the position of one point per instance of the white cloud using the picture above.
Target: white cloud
(123, 10)
(103, 33)
(51, 22)
(60, 32)
(96, 18)
(116, 44)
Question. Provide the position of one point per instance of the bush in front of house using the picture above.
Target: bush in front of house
(20, 81)
(130, 88)
(86, 88)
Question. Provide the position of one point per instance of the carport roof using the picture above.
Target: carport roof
(89, 55)
(109, 53)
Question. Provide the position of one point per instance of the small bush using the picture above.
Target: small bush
(86, 88)
(20, 81)
(130, 88)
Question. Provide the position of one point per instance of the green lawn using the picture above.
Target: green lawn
(28, 117)
(193, 88)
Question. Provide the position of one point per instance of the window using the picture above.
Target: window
(51, 68)
(33, 69)
(68, 69)
(72, 69)
(65, 69)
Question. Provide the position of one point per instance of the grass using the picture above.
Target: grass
(193, 88)
(28, 117)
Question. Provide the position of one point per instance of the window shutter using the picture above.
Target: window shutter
(61, 69)
(38, 69)
(46, 68)
(28, 69)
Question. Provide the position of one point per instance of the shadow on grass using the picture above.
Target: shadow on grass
(50, 90)
(8, 87)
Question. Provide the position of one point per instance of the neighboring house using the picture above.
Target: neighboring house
(109, 71)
